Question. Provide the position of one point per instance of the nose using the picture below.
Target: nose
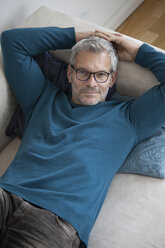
(91, 82)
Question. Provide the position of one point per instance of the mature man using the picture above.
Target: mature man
(72, 147)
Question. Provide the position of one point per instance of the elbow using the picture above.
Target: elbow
(4, 39)
(7, 37)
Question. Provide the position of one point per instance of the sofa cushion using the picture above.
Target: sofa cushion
(147, 157)
(132, 215)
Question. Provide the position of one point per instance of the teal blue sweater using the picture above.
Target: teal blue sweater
(70, 153)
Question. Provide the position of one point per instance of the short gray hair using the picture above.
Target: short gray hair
(96, 45)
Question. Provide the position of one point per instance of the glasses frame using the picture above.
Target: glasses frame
(91, 73)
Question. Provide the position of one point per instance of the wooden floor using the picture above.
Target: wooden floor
(147, 23)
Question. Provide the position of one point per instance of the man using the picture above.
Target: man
(71, 148)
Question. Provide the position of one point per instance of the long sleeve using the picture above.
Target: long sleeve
(23, 73)
(147, 113)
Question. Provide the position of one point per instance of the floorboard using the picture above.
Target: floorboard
(147, 23)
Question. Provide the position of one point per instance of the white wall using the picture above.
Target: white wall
(108, 13)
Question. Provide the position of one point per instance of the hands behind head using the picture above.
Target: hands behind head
(125, 47)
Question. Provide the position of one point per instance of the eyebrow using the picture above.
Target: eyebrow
(81, 68)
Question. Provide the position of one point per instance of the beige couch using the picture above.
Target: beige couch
(133, 214)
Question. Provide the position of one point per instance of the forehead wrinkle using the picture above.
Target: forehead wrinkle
(92, 62)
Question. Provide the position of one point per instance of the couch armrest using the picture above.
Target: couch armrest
(7, 106)
(8, 153)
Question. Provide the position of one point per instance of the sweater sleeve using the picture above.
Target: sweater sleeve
(23, 73)
(147, 112)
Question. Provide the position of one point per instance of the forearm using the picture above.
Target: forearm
(32, 41)
(153, 60)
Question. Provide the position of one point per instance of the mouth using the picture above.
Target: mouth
(90, 92)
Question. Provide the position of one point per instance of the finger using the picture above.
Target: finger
(102, 35)
(113, 37)
(110, 34)
(105, 36)
(118, 34)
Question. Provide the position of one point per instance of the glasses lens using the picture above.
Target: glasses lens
(101, 76)
(83, 74)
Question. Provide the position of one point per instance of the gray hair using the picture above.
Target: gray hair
(96, 45)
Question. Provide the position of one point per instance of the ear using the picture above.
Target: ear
(69, 73)
(113, 78)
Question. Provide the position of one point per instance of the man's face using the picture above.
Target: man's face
(90, 92)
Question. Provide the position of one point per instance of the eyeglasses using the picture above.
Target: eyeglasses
(99, 76)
